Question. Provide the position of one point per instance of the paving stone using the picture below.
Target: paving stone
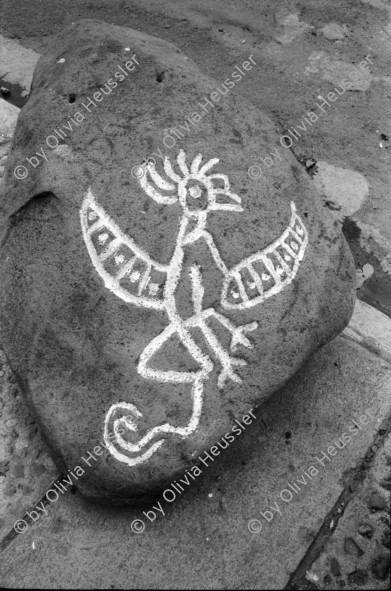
(370, 328)
(26, 467)
(203, 540)
(358, 540)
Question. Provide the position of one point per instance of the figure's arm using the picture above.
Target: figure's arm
(268, 271)
(126, 269)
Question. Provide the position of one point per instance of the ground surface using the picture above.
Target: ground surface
(334, 533)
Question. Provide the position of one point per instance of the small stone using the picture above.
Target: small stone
(352, 548)
(366, 530)
(38, 469)
(4, 467)
(293, 27)
(376, 502)
(386, 539)
(310, 576)
(11, 422)
(18, 471)
(386, 483)
(5, 91)
(381, 567)
(310, 162)
(333, 31)
(358, 577)
(334, 567)
(327, 579)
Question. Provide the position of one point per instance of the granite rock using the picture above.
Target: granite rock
(151, 292)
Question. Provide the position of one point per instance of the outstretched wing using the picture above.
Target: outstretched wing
(126, 269)
(267, 272)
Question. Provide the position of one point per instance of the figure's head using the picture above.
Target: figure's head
(196, 191)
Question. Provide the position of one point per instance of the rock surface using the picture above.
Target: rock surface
(136, 278)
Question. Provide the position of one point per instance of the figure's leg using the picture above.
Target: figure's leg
(227, 362)
(238, 332)
(238, 337)
(128, 416)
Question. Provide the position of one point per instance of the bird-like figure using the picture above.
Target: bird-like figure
(130, 273)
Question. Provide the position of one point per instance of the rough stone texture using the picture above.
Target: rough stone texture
(203, 540)
(26, 468)
(363, 526)
(339, 72)
(75, 346)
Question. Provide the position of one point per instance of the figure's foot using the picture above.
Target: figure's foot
(228, 372)
(239, 338)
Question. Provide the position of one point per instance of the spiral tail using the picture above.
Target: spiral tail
(123, 417)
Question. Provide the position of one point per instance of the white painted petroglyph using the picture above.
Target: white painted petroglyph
(130, 273)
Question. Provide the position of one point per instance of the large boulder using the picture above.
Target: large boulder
(152, 293)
